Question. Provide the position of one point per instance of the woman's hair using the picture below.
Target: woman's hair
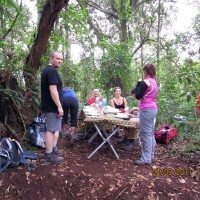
(117, 88)
(150, 70)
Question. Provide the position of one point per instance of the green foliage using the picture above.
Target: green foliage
(9, 3)
(115, 68)
(191, 148)
(169, 108)
(74, 22)
(131, 102)
(190, 75)
(13, 46)
(196, 25)
(79, 77)
(8, 95)
(178, 89)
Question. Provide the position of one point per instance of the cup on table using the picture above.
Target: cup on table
(107, 114)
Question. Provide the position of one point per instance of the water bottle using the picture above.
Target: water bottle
(40, 141)
(31, 131)
(104, 102)
(184, 118)
(97, 102)
(177, 116)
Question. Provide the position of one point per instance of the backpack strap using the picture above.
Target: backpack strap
(18, 154)
(15, 153)
(30, 155)
(5, 146)
(8, 161)
(24, 158)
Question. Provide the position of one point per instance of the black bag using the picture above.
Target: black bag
(12, 154)
(37, 131)
(139, 90)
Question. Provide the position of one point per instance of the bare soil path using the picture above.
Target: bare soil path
(172, 176)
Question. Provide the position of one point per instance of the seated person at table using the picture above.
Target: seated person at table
(95, 94)
(134, 111)
(130, 135)
(118, 101)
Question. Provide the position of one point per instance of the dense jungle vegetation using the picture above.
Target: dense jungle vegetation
(117, 38)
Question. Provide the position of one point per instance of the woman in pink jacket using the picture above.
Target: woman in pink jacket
(146, 92)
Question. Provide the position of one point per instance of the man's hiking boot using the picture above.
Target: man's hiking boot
(51, 157)
(56, 151)
(141, 163)
(65, 133)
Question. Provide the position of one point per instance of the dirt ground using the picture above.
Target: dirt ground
(105, 177)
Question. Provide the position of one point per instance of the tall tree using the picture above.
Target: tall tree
(49, 15)
(158, 33)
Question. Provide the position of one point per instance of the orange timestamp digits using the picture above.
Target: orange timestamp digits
(180, 171)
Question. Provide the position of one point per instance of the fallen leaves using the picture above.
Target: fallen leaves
(169, 180)
(133, 188)
(92, 191)
(112, 187)
(121, 193)
(141, 177)
(92, 180)
(54, 174)
(102, 178)
(27, 177)
(10, 187)
(195, 174)
(181, 180)
(195, 191)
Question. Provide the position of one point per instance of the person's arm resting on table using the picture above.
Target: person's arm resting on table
(125, 103)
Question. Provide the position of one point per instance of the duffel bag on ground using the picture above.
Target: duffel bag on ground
(165, 134)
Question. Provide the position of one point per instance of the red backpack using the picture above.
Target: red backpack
(165, 134)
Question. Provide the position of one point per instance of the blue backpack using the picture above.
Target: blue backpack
(37, 131)
(12, 154)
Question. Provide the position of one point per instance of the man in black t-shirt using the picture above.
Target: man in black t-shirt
(51, 96)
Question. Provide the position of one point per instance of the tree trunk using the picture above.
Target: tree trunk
(48, 17)
(158, 34)
(123, 21)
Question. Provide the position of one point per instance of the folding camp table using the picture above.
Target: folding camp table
(100, 121)
(105, 139)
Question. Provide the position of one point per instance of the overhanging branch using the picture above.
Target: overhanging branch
(14, 21)
(94, 5)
